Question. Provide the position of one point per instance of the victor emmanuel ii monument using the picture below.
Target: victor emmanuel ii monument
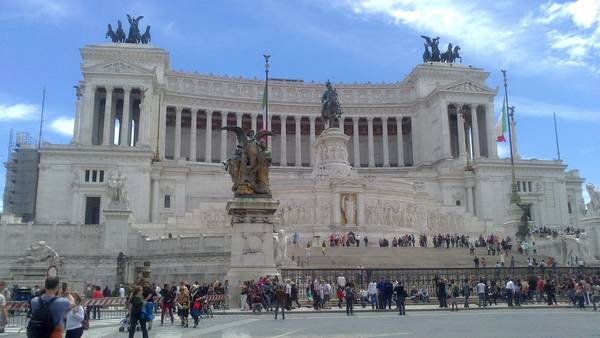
(143, 177)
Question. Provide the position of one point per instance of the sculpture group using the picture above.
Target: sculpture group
(331, 110)
(249, 166)
(134, 32)
(593, 207)
(432, 52)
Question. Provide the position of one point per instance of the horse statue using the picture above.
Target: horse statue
(433, 43)
(331, 109)
(120, 32)
(110, 33)
(134, 31)
(456, 54)
(146, 36)
(426, 54)
(448, 55)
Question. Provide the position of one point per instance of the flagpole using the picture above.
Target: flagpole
(266, 94)
(556, 136)
(42, 118)
(511, 111)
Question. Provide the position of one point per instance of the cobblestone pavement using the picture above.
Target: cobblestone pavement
(499, 322)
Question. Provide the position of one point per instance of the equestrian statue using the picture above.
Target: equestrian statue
(432, 51)
(331, 110)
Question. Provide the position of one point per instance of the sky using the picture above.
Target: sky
(550, 49)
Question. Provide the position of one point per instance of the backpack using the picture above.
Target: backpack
(41, 323)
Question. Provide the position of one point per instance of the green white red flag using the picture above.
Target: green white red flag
(501, 126)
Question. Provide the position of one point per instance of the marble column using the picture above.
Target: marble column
(124, 127)
(163, 126)
(312, 120)
(177, 154)
(253, 126)
(208, 141)
(143, 129)
(469, 206)
(77, 124)
(193, 126)
(239, 119)
(446, 139)
(356, 141)
(400, 141)
(371, 147)
(298, 142)
(283, 119)
(490, 130)
(107, 116)
(460, 124)
(87, 118)
(475, 130)
(223, 137)
(385, 141)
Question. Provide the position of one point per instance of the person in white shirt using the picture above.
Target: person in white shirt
(121, 291)
(288, 295)
(372, 290)
(510, 291)
(481, 293)
(341, 281)
(74, 318)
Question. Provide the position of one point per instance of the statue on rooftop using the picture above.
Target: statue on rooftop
(593, 207)
(120, 32)
(134, 31)
(331, 109)
(449, 56)
(146, 36)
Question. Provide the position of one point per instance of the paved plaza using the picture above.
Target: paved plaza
(497, 322)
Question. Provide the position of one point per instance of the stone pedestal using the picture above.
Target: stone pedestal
(592, 230)
(511, 226)
(117, 223)
(331, 154)
(252, 242)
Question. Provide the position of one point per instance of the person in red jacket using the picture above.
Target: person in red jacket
(96, 308)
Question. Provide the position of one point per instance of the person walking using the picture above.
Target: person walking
(454, 293)
(96, 294)
(442, 294)
(183, 304)
(136, 305)
(166, 304)
(400, 298)
(481, 293)
(3, 301)
(510, 291)
(48, 311)
(75, 317)
(295, 294)
(349, 298)
(466, 291)
(280, 300)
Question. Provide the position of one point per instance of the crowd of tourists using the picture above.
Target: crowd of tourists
(554, 232)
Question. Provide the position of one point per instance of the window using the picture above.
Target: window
(569, 207)
(458, 203)
(94, 176)
(524, 186)
(167, 202)
(92, 210)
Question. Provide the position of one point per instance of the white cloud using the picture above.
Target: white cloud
(551, 36)
(536, 108)
(19, 111)
(63, 126)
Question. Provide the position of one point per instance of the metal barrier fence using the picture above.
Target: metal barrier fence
(427, 278)
(96, 309)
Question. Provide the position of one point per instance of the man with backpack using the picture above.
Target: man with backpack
(48, 311)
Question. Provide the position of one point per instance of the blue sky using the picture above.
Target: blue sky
(550, 49)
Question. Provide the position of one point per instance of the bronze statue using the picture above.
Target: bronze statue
(120, 32)
(249, 166)
(110, 33)
(433, 43)
(146, 36)
(331, 109)
(449, 56)
(134, 31)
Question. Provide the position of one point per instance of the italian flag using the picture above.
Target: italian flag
(501, 128)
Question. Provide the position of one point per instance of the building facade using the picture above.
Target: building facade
(423, 151)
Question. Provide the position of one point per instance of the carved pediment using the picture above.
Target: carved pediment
(346, 183)
(468, 86)
(118, 67)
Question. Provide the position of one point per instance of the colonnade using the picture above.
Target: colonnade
(194, 134)
(468, 128)
(116, 116)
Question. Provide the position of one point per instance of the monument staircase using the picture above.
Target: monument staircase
(399, 257)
